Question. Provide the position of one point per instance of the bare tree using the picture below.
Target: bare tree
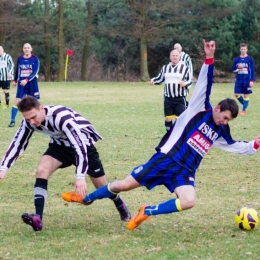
(60, 42)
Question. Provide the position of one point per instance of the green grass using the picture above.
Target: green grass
(130, 118)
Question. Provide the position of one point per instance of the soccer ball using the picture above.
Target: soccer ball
(246, 218)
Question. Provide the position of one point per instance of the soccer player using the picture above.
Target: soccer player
(26, 74)
(244, 67)
(185, 58)
(177, 81)
(6, 75)
(181, 150)
(72, 143)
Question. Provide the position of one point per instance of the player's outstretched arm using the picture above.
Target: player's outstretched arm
(209, 48)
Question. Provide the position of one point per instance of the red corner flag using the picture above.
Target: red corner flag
(69, 52)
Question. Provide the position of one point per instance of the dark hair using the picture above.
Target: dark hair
(229, 104)
(27, 103)
(243, 45)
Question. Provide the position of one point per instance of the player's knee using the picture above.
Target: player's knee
(188, 203)
(121, 186)
(42, 172)
(168, 118)
(237, 95)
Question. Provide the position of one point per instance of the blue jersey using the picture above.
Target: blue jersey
(244, 75)
(195, 132)
(27, 68)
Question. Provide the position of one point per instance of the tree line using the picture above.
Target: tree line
(126, 40)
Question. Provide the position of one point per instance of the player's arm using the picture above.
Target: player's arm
(16, 75)
(227, 144)
(16, 148)
(71, 129)
(10, 67)
(200, 97)
(160, 78)
(35, 70)
(252, 71)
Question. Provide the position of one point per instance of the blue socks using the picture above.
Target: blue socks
(14, 113)
(245, 104)
(240, 99)
(100, 193)
(170, 206)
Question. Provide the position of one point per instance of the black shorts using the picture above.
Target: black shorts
(66, 155)
(174, 106)
(5, 84)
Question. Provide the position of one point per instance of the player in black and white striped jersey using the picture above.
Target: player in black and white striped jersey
(6, 75)
(177, 80)
(72, 143)
(185, 58)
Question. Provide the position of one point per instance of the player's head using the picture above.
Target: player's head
(243, 49)
(225, 111)
(33, 112)
(177, 47)
(1, 50)
(27, 49)
(174, 57)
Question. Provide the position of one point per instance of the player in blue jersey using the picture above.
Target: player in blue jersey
(244, 67)
(181, 150)
(27, 69)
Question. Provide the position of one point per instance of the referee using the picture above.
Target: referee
(177, 81)
(6, 75)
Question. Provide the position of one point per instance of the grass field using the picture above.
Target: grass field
(130, 118)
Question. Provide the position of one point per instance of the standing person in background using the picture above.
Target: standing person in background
(26, 74)
(184, 58)
(6, 75)
(244, 67)
(177, 79)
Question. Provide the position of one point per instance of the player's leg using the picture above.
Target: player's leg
(112, 189)
(46, 167)
(14, 110)
(238, 92)
(245, 104)
(177, 180)
(168, 113)
(179, 106)
(6, 87)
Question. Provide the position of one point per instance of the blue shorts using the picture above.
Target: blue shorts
(162, 170)
(30, 89)
(242, 87)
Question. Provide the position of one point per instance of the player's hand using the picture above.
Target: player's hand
(182, 83)
(80, 187)
(251, 84)
(240, 66)
(257, 140)
(151, 82)
(209, 48)
(2, 174)
(9, 75)
(14, 84)
(23, 82)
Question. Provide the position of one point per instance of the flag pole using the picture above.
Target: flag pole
(66, 66)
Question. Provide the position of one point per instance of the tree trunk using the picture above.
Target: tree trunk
(60, 43)
(2, 22)
(85, 53)
(47, 42)
(143, 60)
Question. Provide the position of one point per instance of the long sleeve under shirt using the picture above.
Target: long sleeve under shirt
(65, 127)
(195, 132)
(171, 75)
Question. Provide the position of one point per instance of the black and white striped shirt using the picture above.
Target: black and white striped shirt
(65, 127)
(187, 61)
(6, 67)
(171, 75)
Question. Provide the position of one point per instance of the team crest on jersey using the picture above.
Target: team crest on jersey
(137, 170)
(199, 143)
